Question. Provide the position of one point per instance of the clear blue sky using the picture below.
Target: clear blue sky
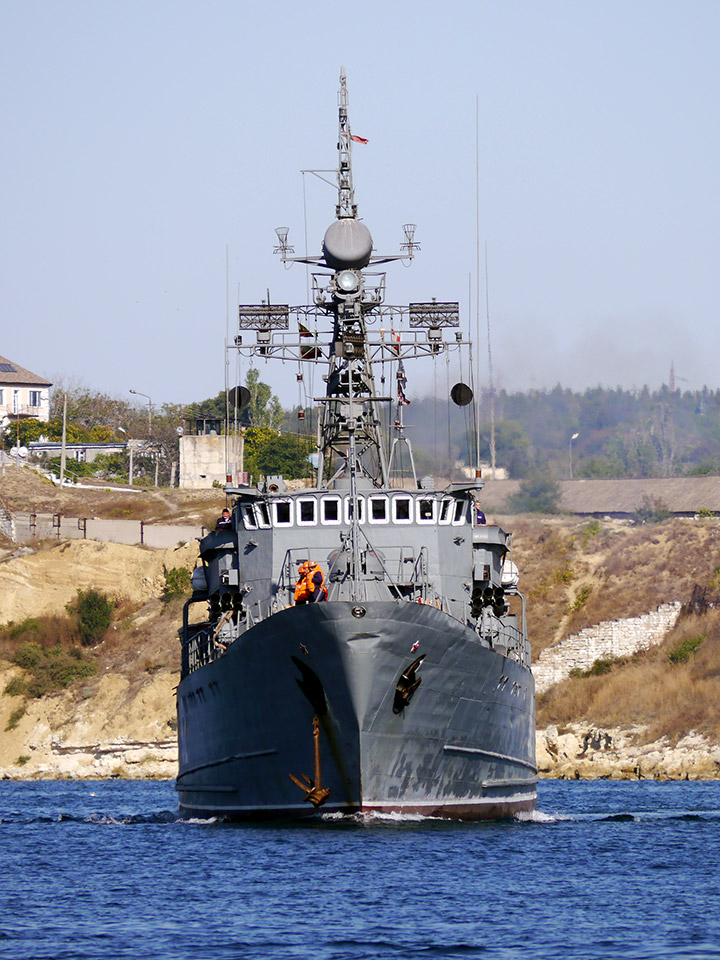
(143, 139)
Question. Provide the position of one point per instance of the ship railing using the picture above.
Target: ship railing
(415, 579)
(199, 647)
(508, 639)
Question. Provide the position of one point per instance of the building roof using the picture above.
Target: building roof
(11, 372)
(678, 494)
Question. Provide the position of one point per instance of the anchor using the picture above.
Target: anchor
(407, 685)
(315, 792)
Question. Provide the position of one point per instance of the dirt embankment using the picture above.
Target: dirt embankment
(631, 720)
(121, 721)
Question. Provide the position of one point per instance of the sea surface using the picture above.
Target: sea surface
(106, 869)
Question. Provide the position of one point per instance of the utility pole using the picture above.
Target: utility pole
(64, 439)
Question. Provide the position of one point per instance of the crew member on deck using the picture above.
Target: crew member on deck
(225, 521)
(310, 586)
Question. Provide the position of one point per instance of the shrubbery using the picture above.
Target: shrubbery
(685, 649)
(94, 614)
(538, 493)
(48, 669)
(652, 510)
(177, 583)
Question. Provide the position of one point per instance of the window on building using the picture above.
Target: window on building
(35, 398)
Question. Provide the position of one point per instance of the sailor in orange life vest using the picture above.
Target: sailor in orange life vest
(310, 587)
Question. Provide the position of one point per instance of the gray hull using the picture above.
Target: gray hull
(463, 747)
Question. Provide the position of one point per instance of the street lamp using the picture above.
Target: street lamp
(139, 394)
(573, 437)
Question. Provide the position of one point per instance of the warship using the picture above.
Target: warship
(358, 646)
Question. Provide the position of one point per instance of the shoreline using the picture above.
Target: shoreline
(585, 752)
(579, 752)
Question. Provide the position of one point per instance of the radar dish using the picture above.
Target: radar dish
(461, 394)
(347, 245)
(239, 397)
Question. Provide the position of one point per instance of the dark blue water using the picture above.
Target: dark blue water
(106, 870)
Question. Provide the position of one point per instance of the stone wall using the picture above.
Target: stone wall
(611, 638)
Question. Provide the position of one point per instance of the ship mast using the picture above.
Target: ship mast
(350, 444)
(346, 206)
(351, 448)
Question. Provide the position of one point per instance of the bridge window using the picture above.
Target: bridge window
(402, 509)
(306, 512)
(446, 513)
(281, 513)
(330, 510)
(262, 513)
(378, 510)
(248, 515)
(349, 510)
(426, 508)
(459, 513)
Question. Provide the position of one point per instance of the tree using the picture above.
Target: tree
(539, 493)
(264, 409)
(268, 453)
(512, 447)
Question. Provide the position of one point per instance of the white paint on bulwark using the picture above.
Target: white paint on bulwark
(609, 639)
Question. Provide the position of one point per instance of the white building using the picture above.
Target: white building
(22, 393)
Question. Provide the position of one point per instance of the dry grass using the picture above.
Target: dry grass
(670, 699)
(577, 573)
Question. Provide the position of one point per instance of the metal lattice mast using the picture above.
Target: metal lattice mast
(346, 206)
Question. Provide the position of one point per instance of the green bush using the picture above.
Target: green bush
(28, 655)
(684, 650)
(15, 718)
(16, 688)
(564, 575)
(94, 613)
(177, 583)
(602, 666)
(29, 625)
(538, 493)
(52, 669)
(653, 510)
(581, 599)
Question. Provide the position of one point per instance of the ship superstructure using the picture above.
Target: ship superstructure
(409, 687)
